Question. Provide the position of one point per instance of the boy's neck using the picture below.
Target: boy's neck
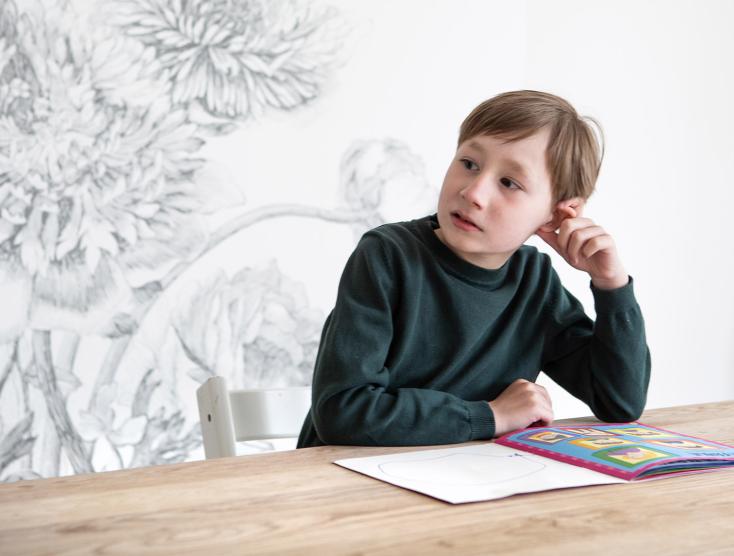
(493, 261)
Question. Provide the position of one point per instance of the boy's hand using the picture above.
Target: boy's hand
(521, 404)
(588, 247)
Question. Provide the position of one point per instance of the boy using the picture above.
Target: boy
(442, 324)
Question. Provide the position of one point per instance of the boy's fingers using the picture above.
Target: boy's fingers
(580, 238)
(568, 227)
(597, 244)
(545, 417)
(543, 406)
(543, 391)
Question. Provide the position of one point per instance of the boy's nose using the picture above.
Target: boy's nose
(477, 193)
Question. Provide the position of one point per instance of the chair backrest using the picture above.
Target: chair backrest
(229, 416)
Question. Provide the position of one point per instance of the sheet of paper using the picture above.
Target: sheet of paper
(474, 473)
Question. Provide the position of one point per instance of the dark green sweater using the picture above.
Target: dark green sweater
(420, 340)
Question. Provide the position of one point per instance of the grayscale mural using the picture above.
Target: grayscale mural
(109, 320)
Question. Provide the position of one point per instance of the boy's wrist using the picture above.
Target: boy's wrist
(481, 419)
(612, 301)
(498, 424)
(610, 283)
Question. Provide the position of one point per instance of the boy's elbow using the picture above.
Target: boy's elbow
(626, 416)
(628, 404)
(620, 413)
(331, 432)
(337, 425)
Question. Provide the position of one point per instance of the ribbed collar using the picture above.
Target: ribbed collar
(454, 264)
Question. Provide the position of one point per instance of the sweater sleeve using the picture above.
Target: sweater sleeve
(606, 363)
(353, 402)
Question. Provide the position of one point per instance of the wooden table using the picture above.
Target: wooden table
(298, 502)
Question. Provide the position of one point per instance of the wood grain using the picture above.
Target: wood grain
(300, 503)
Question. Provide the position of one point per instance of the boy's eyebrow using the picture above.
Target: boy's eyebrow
(511, 163)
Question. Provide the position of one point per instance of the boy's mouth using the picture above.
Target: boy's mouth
(464, 223)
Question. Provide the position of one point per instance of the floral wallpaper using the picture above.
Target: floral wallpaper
(109, 316)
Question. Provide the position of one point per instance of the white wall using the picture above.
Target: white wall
(400, 78)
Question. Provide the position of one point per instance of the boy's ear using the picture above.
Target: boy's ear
(568, 208)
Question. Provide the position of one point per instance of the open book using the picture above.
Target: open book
(631, 451)
(545, 458)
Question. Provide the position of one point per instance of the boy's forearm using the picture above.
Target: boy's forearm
(371, 416)
(607, 365)
(619, 358)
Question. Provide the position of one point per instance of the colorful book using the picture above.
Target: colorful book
(630, 451)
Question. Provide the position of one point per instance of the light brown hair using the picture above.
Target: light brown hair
(573, 154)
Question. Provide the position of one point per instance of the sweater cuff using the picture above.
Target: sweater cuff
(618, 299)
(481, 420)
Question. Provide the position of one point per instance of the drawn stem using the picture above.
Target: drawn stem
(50, 457)
(66, 355)
(55, 405)
(9, 366)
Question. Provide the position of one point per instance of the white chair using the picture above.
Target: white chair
(229, 416)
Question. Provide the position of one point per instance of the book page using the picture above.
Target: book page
(474, 473)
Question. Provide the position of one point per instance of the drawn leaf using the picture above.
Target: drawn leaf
(90, 426)
(130, 432)
(145, 390)
(18, 442)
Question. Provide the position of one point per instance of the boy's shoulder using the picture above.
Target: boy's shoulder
(404, 227)
(400, 235)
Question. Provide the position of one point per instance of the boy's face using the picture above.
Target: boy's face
(489, 206)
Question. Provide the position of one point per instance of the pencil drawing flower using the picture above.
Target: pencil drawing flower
(91, 189)
(108, 431)
(245, 327)
(376, 175)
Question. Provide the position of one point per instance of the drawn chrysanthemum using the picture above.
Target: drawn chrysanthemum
(236, 57)
(95, 166)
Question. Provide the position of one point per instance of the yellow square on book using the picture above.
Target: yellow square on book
(597, 442)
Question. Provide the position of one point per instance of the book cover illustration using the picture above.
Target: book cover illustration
(631, 451)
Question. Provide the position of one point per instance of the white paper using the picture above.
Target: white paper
(475, 473)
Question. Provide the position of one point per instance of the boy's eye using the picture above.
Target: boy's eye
(509, 184)
(469, 164)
